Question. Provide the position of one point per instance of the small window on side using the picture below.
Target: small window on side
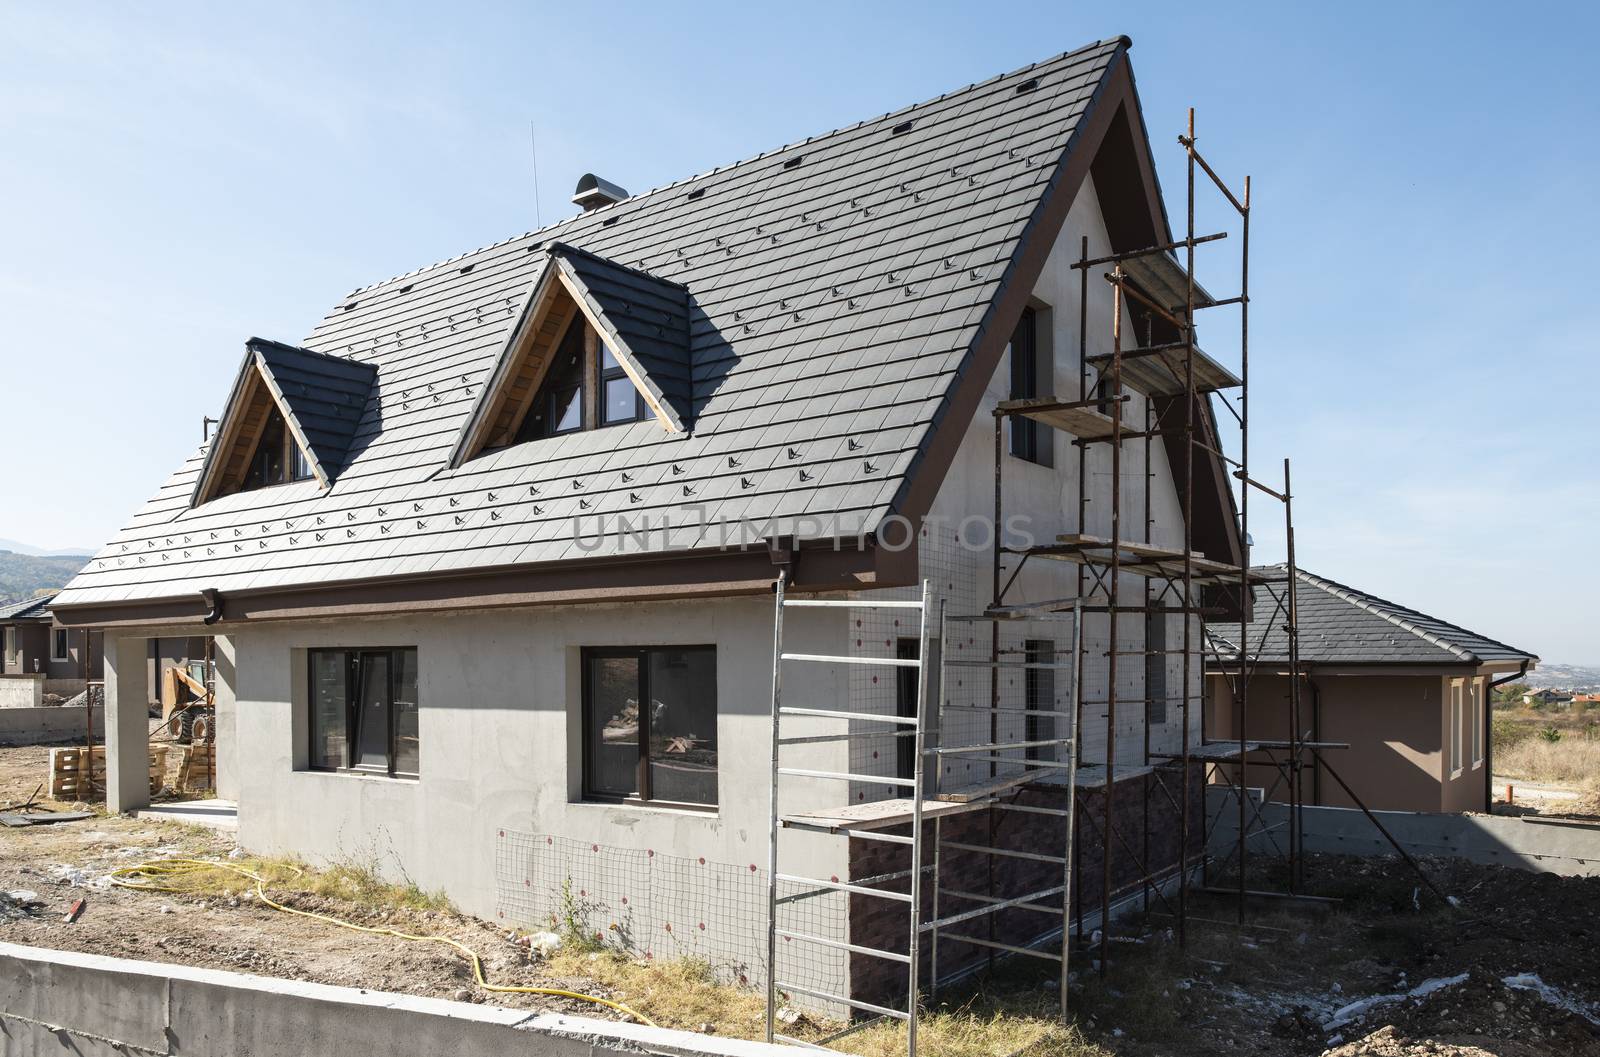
(59, 647)
(1032, 376)
(650, 724)
(363, 712)
(1040, 694)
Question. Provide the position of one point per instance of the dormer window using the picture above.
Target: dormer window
(567, 401)
(277, 459)
(291, 417)
(620, 399)
(595, 345)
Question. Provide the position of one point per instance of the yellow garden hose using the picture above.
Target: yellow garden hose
(145, 877)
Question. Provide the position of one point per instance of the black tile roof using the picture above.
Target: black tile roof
(1341, 625)
(26, 610)
(835, 288)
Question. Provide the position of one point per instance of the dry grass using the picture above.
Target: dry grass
(348, 881)
(684, 994)
(1572, 761)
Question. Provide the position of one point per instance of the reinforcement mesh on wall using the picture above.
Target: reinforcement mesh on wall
(650, 905)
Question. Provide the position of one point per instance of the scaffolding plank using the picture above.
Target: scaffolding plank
(878, 814)
(1084, 423)
(974, 793)
(1162, 375)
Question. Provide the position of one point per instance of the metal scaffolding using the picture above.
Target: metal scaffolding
(1044, 754)
(1168, 368)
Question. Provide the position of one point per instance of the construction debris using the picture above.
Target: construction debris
(80, 774)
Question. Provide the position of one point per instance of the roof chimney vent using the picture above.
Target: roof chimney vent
(593, 192)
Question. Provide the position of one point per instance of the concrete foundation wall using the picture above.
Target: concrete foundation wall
(1546, 845)
(21, 691)
(61, 1002)
(47, 725)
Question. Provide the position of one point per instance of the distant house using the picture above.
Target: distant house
(1548, 698)
(1406, 691)
(41, 656)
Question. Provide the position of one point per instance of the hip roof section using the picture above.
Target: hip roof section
(833, 290)
(1342, 625)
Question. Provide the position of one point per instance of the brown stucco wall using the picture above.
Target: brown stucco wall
(1396, 726)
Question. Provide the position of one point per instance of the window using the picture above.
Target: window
(650, 724)
(905, 705)
(1155, 667)
(277, 458)
(1475, 694)
(1040, 689)
(562, 403)
(620, 399)
(363, 711)
(1455, 728)
(13, 659)
(1029, 440)
(58, 645)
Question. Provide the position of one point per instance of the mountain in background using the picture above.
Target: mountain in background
(1564, 676)
(23, 575)
(18, 547)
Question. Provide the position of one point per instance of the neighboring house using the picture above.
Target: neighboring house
(451, 543)
(1408, 692)
(1548, 699)
(42, 656)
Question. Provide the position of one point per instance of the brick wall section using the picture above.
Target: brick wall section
(885, 924)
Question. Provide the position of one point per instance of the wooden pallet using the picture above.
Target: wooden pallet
(79, 775)
(197, 768)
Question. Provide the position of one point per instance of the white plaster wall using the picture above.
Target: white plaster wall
(955, 551)
(500, 767)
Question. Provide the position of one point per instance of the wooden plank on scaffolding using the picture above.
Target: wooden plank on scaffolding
(878, 814)
(973, 793)
(1162, 374)
(1085, 423)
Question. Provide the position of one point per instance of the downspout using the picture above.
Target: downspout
(1316, 734)
(1488, 731)
(213, 601)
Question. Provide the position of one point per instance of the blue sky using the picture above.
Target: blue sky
(177, 177)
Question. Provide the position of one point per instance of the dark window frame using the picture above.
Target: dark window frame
(1032, 369)
(609, 375)
(352, 693)
(906, 680)
(294, 464)
(60, 635)
(592, 412)
(1039, 694)
(642, 775)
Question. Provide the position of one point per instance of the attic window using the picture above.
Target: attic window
(465, 268)
(698, 192)
(902, 128)
(1027, 86)
(584, 388)
(792, 162)
(277, 458)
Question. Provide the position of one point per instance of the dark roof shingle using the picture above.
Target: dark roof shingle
(838, 285)
(1341, 625)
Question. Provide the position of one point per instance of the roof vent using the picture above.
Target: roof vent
(593, 192)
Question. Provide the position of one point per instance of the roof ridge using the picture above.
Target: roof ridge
(251, 342)
(1364, 600)
(556, 246)
(1121, 40)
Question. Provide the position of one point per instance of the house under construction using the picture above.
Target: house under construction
(807, 562)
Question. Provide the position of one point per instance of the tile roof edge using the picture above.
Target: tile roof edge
(1368, 602)
(1122, 40)
(555, 247)
(252, 342)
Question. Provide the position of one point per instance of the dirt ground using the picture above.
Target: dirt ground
(1513, 969)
